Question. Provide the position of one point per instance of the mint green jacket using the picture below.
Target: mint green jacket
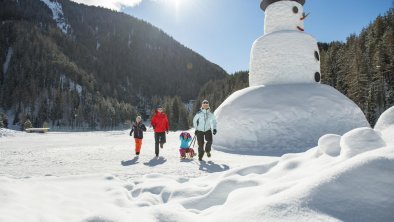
(204, 120)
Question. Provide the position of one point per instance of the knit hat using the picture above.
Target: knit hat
(205, 101)
(183, 134)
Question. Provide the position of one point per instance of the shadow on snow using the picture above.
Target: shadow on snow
(212, 167)
(155, 161)
(129, 162)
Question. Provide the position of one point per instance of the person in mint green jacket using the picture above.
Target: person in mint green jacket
(205, 124)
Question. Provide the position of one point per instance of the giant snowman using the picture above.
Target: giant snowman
(285, 109)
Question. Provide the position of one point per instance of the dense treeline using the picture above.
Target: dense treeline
(178, 114)
(216, 91)
(105, 68)
(363, 67)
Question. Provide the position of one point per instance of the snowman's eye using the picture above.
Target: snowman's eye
(295, 9)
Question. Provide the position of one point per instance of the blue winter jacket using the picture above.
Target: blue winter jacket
(184, 142)
(204, 120)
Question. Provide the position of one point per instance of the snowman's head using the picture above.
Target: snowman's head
(284, 15)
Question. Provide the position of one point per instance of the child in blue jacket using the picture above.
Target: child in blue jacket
(185, 138)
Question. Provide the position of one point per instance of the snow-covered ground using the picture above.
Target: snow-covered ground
(24, 155)
(95, 177)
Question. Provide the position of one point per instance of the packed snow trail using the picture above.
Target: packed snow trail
(64, 154)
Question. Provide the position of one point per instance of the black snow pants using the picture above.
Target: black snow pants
(201, 137)
(160, 138)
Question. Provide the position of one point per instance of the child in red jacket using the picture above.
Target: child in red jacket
(160, 125)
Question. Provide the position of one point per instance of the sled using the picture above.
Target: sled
(188, 154)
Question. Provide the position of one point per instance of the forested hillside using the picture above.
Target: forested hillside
(363, 67)
(69, 64)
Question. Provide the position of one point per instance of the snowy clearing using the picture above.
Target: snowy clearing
(94, 176)
(64, 154)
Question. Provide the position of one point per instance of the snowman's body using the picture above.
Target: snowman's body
(285, 54)
(286, 109)
(284, 57)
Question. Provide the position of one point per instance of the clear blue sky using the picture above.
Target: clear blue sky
(223, 31)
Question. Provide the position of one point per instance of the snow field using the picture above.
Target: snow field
(350, 182)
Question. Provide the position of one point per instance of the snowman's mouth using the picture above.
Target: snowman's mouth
(301, 29)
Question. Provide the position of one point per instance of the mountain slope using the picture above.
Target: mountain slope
(67, 59)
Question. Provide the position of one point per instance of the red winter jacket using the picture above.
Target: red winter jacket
(159, 122)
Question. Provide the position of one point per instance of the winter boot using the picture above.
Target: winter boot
(200, 155)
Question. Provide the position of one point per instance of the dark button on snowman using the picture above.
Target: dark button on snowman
(285, 109)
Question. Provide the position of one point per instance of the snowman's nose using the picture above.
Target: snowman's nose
(304, 15)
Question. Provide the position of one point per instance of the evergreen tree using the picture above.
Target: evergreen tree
(27, 124)
(1, 120)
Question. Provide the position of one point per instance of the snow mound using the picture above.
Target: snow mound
(298, 187)
(356, 190)
(385, 125)
(7, 132)
(388, 135)
(329, 144)
(278, 119)
(360, 140)
(385, 120)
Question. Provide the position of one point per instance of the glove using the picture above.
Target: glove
(214, 132)
(167, 131)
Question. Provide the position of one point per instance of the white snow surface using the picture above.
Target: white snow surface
(329, 144)
(385, 124)
(283, 57)
(386, 120)
(279, 119)
(6, 64)
(279, 16)
(360, 140)
(58, 15)
(8, 132)
(94, 177)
